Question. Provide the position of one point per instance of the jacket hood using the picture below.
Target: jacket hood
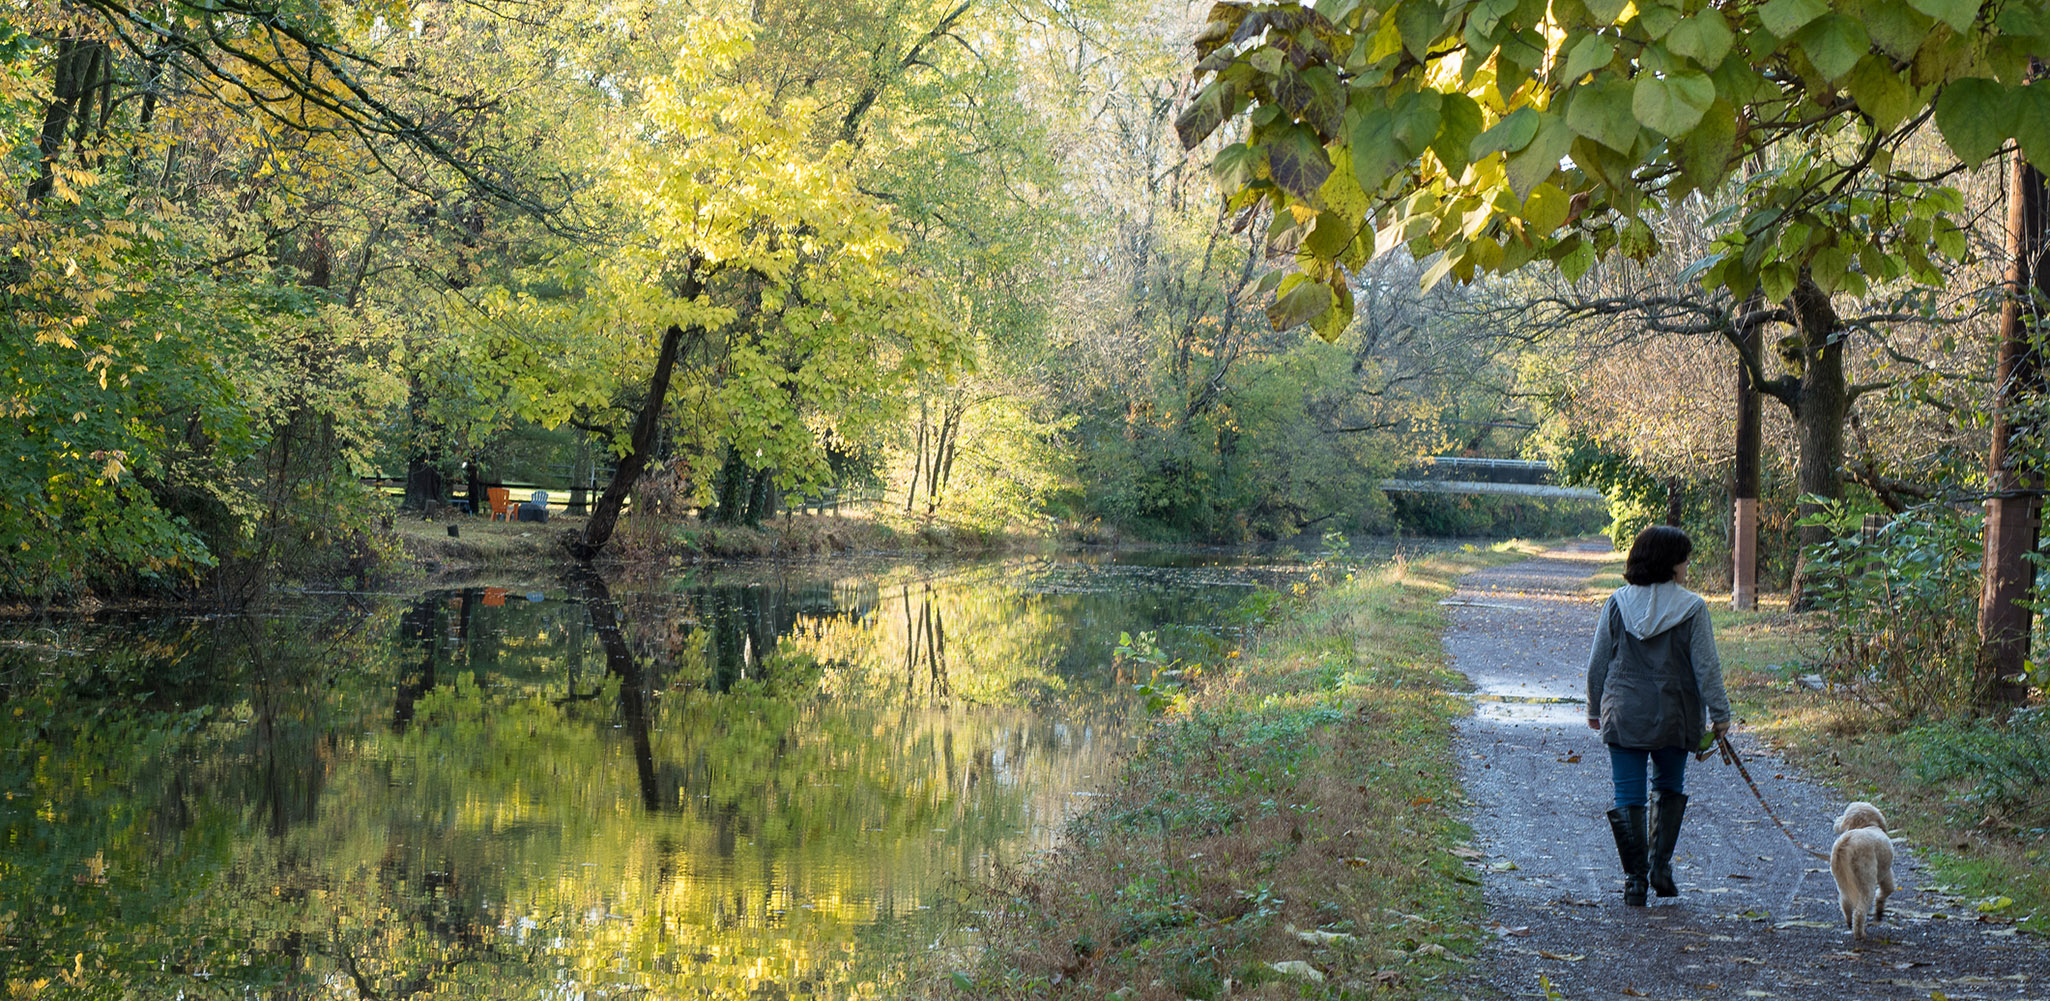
(1650, 609)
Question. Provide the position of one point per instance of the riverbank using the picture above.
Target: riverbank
(1291, 828)
(425, 548)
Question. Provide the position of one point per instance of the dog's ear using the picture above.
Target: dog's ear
(1839, 825)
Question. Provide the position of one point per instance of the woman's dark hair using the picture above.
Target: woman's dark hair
(1654, 554)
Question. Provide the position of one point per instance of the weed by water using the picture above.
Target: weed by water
(1284, 831)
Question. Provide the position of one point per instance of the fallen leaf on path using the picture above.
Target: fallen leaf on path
(1635, 993)
(1499, 928)
(1806, 924)
(1354, 861)
(1464, 851)
(1567, 957)
(1992, 905)
(1571, 759)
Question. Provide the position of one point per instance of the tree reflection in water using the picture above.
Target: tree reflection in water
(440, 798)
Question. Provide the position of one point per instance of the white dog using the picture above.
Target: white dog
(1862, 862)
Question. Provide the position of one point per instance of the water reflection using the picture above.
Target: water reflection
(733, 786)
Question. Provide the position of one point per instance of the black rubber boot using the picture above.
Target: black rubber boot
(1627, 823)
(1666, 811)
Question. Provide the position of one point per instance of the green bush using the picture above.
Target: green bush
(2001, 770)
(1902, 606)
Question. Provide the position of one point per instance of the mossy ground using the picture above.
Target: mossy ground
(1297, 804)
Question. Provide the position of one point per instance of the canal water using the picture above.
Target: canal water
(745, 782)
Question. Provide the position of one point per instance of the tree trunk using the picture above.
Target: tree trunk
(917, 461)
(2007, 589)
(605, 516)
(423, 483)
(1819, 421)
(580, 477)
(1744, 479)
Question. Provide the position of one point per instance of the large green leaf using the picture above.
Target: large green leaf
(1704, 38)
(1545, 210)
(2032, 122)
(1601, 112)
(1784, 17)
(1301, 301)
(1959, 14)
(1331, 325)
(1460, 124)
(1386, 140)
(1508, 135)
(1976, 116)
(1834, 43)
(1331, 234)
(1672, 104)
(1898, 29)
(1539, 159)
(1705, 152)
(1881, 92)
(1417, 115)
(1234, 166)
(1297, 162)
(1591, 53)
(1605, 11)
(1419, 21)
(1212, 105)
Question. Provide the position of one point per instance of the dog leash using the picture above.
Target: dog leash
(1730, 755)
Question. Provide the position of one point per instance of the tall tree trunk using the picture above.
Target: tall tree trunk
(1744, 480)
(641, 446)
(1819, 421)
(580, 477)
(734, 479)
(2007, 588)
(917, 461)
(81, 68)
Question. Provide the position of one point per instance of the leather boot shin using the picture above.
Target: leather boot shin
(1627, 823)
(1667, 809)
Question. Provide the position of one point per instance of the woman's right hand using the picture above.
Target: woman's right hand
(1593, 724)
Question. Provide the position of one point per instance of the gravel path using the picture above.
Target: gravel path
(1756, 916)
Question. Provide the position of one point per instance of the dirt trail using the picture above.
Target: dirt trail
(1756, 916)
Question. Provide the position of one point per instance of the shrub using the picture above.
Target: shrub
(2000, 771)
(1902, 605)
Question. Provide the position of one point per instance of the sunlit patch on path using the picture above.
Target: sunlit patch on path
(1756, 916)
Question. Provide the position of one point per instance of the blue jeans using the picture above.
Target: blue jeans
(1626, 768)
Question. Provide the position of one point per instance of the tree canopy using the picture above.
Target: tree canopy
(1498, 132)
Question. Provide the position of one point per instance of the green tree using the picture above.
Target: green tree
(1498, 132)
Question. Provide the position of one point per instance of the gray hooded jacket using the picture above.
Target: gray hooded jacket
(1653, 669)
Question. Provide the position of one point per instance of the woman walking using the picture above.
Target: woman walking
(1652, 674)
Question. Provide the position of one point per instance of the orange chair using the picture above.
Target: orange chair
(501, 502)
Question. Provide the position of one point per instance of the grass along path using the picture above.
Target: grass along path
(1287, 830)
